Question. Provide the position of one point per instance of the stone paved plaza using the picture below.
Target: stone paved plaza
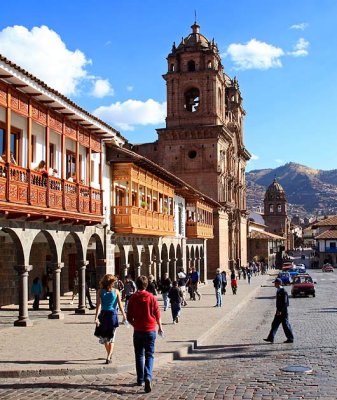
(231, 362)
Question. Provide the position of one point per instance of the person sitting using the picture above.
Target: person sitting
(41, 167)
(12, 159)
(3, 158)
(53, 171)
(72, 178)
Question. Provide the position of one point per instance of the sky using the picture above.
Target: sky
(109, 56)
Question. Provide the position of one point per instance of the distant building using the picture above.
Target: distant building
(263, 245)
(326, 240)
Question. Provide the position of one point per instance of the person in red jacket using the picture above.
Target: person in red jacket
(143, 314)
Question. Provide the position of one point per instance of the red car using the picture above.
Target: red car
(327, 268)
(303, 284)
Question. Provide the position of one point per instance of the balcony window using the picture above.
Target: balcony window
(52, 157)
(70, 164)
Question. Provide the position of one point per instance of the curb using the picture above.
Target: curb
(177, 354)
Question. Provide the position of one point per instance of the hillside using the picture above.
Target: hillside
(309, 191)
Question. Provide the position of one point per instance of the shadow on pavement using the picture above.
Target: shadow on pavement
(66, 386)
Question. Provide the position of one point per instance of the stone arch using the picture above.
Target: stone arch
(172, 263)
(120, 261)
(192, 256)
(145, 260)
(43, 256)
(197, 260)
(72, 254)
(11, 255)
(164, 259)
(179, 256)
(188, 258)
(95, 268)
(155, 259)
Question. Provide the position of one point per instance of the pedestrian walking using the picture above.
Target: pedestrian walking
(129, 290)
(144, 314)
(165, 285)
(50, 292)
(234, 285)
(182, 281)
(75, 287)
(36, 292)
(106, 316)
(152, 287)
(217, 283)
(88, 295)
(281, 316)
(195, 283)
(249, 276)
(176, 297)
(224, 282)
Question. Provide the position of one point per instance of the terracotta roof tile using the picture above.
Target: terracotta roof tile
(329, 234)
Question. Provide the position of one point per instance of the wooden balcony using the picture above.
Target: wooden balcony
(131, 219)
(30, 192)
(199, 230)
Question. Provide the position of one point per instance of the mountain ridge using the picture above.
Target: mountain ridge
(309, 191)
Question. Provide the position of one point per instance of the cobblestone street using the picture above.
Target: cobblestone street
(234, 363)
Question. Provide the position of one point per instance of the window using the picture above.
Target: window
(192, 100)
(271, 208)
(70, 164)
(332, 245)
(51, 155)
(120, 197)
(14, 144)
(191, 66)
(2, 141)
(279, 208)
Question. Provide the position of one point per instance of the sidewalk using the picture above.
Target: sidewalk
(69, 347)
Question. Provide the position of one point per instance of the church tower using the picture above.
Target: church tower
(202, 142)
(276, 213)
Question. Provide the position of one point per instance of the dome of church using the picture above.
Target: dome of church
(274, 189)
(194, 40)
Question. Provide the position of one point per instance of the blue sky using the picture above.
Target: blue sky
(109, 57)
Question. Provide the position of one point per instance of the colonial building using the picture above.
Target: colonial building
(202, 142)
(160, 222)
(261, 244)
(72, 198)
(326, 240)
(51, 190)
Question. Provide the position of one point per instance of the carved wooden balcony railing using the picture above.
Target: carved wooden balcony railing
(31, 188)
(131, 219)
(199, 230)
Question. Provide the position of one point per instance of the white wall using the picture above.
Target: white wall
(178, 200)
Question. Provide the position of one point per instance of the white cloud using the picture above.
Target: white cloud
(279, 161)
(301, 26)
(300, 48)
(255, 55)
(129, 88)
(127, 115)
(254, 157)
(42, 52)
(102, 88)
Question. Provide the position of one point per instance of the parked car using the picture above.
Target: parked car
(327, 268)
(293, 272)
(285, 277)
(303, 285)
(301, 268)
(286, 266)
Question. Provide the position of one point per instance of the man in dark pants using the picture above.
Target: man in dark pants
(281, 316)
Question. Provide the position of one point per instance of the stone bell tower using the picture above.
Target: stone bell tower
(275, 212)
(202, 142)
